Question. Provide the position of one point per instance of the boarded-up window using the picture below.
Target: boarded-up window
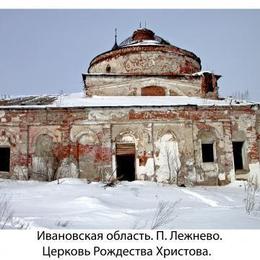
(153, 91)
(4, 159)
(123, 149)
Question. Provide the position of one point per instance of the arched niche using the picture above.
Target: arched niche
(166, 132)
(88, 138)
(127, 135)
(89, 154)
(44, 145)
(126, 138)
(43, 160)
(167, 158)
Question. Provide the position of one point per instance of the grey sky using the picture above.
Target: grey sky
(45, 51)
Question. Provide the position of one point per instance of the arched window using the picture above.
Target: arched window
(108, 68)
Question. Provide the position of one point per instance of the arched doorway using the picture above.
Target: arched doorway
(125, 158)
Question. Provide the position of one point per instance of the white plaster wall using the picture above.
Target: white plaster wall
(125, 86)
(168, 162)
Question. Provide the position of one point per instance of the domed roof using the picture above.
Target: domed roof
(145, 53)
(143, 35)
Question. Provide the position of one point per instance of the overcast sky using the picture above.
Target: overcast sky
(45, 51)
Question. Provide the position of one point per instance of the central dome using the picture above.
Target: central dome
(145, 53)
(143, 35)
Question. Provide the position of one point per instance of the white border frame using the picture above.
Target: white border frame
(134, 4)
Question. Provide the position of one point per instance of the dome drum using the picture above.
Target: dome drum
(146, 60)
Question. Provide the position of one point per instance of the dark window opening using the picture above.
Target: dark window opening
(238, 157)
(208, 83)
(125, 161)
(207, 153)
(4, 159)
(210, 86)
(108, 68)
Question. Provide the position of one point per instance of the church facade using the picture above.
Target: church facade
(148, 112)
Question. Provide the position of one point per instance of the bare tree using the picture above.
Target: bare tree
(112, 181)
(173, 163)
(250, 195)
(6, 213)
(164, 214)
(7, 219)
(46, 167)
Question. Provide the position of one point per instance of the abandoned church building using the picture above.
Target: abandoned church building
(147, 112)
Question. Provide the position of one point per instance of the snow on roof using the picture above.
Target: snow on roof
(144, 42)
(201, 72)
(157, 40)
(80, 100)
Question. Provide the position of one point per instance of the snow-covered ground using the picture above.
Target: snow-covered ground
(76, 204)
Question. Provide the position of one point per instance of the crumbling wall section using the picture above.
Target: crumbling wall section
(80, 142)
(93, 150)
(209, 132)
(141, 136)
(244, 128)
(14, 136)
(245, 122)
(174, 152)
(146, 59)
(116, 85)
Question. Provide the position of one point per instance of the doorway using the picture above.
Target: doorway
(238, 155)
(4, 159)
(125, 161)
